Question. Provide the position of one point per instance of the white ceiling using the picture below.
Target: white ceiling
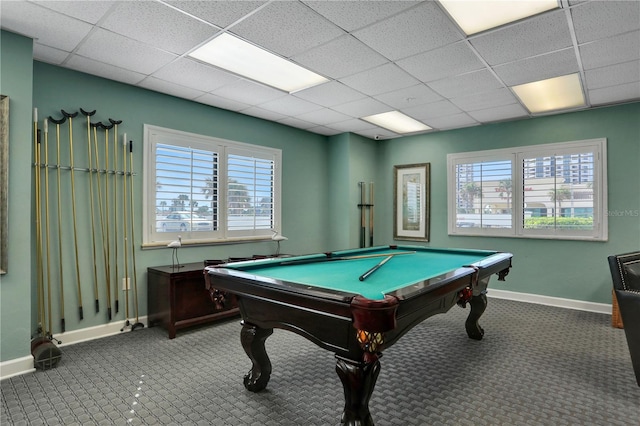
(378, 55)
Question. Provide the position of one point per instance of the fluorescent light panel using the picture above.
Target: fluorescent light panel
(238, 56)
(474, 16)
(551, 94)
(396, 122)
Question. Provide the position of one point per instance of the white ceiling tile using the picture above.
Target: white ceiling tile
(454, 59)
(296, 122)
(290, 105)
(416, 34)
(117, 50)
(352, 125)
(610, 51)
(540, 67)
(466, 84)
(88, 11)
(219, 13)
(382, 79)
(540, 34)
(49, 29)
(455, 121)
(427, 112)
(592, 20)
(613, 94)
(351, 15)
(329, 94)
(484, 100)
(195, 75)
(89, 66)
(48, 54)
(409, 96)
(158, 25)
(613, 75)
(340, 57)
(172, 89)
(248, 92)
(323, 116)
(416, 30)
(507, 112)
(362, 107)
(220, 102)
(263, 113)
(323, 130)
(286, 28)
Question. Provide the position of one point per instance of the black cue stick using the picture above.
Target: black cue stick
(375, 268)
(363, 229)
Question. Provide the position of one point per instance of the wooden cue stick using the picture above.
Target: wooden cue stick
(362, 215)
(329, 259)
(375, 268)
(366, 256)
(371, 215)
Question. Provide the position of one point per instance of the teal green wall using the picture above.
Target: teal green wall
(351, 160)
(320, 187)
(567, 269)
(15, 287)
(304, 185)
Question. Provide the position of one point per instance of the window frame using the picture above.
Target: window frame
(154, 135)
(517, 155)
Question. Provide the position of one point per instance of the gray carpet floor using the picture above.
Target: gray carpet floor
(537, 365)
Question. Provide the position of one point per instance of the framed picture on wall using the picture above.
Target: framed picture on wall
(411, 202)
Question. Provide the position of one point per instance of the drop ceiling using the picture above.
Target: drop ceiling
(378, 55)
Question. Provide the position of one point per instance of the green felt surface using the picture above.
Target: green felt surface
(342, 275)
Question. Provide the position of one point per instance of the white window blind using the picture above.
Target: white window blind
(250, 192)
(484, 194)
(544, 191)
(207, 189)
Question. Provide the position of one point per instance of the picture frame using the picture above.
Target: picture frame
(411, 202)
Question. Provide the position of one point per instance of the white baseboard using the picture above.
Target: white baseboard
(97, 332)
(601, 308)
(18, 366)
(24, 365)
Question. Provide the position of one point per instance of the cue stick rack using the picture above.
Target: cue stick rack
(54, 161)
(365, 206)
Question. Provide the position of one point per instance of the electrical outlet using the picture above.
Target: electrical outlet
(126, 284)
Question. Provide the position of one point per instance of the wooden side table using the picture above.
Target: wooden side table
(177, 298)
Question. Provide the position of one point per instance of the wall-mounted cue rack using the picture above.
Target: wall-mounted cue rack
(97, 219)
(364, 206)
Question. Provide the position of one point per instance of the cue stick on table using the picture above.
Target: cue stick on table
(329, 259)
(375, 268)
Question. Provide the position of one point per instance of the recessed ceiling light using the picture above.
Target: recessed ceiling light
(474, 16)
(396, 122)
(551, 94)
(248, 60)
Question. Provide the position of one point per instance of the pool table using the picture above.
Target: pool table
(329, 299)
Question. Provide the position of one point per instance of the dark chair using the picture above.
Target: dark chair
(625, 272)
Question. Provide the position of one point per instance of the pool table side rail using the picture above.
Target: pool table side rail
(493, 264)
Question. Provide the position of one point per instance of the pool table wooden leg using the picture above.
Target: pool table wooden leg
(358, 380)
(478, 304)
(252, 339)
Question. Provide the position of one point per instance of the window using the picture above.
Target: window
(543, 191)
(208, 190)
